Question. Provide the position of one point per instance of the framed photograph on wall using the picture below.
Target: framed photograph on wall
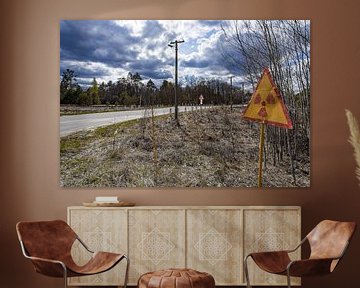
(161, 103)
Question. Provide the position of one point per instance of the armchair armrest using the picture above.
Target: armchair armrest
(298, 246)
(83, 244)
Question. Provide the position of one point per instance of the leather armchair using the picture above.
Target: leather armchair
(328, 242)
(48, 245)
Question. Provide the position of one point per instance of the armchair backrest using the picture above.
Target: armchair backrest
(329, 239)
(46, 239)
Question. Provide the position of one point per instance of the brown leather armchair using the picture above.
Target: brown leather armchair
(48, 245)
(328, 242)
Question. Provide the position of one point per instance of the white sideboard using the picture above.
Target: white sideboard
(211, 239)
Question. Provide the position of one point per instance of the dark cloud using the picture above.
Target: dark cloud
(151, 46)
(170, 36)
(152, 63)
(231, 58)
(211, 23)
(212, 60)
(96, 41)
(153, 74)
(85, 42)
(152, 29)
(196, 63)
(84, 70)
(85, 82)
(150, 68)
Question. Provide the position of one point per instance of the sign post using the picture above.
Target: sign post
(267, 107)
(261, 152)
(201, 99)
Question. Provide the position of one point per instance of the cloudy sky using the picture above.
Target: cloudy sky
(108, 50)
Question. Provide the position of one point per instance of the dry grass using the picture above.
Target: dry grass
(210, 148)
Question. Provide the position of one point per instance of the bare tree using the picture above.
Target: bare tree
(284, 47)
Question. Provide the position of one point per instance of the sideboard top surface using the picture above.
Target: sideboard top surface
(193, 207)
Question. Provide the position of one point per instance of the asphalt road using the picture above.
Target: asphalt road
(75, 123)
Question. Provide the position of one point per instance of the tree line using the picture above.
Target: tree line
(132, 91)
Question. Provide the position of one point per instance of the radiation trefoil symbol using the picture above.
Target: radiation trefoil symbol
(266, 104)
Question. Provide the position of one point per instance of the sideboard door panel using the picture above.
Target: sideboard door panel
(156, 240)
(101, 230)
(209, 239)
(269, 230)
(214, 244)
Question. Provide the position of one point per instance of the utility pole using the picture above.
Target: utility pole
(231, 93)
(171, 44)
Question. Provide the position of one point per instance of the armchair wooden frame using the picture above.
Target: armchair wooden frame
(321, 260)
(100, 261)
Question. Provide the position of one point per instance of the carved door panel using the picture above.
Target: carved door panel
(269, 230)
(214, 244)
(101, 230)
(156, 240)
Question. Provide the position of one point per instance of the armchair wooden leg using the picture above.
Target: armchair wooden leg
(246, 272)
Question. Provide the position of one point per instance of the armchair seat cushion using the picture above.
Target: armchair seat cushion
(272, 262)
(99, 262)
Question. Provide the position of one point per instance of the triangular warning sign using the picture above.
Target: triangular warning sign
(266, 104)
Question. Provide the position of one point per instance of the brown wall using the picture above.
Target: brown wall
(29, 112)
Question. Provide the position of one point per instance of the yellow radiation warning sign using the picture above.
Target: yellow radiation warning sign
(266, 104)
